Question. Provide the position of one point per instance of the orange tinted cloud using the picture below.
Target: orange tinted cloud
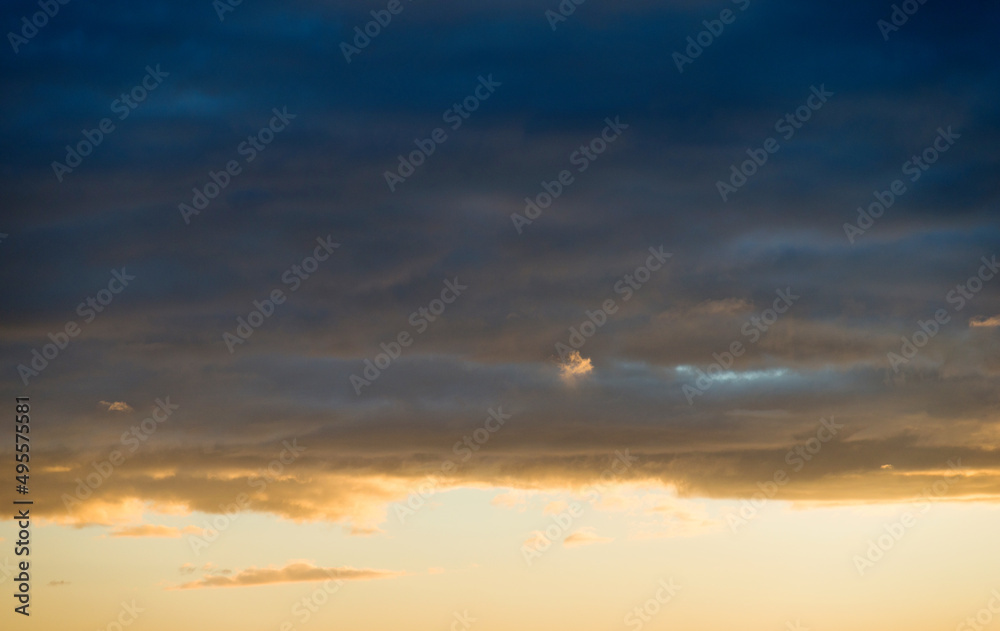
(152, 530)
(575, 366)
(116, 406)
(296, 572)
(585, 537)
(984, 321)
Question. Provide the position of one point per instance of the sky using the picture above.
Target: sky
(505, 314)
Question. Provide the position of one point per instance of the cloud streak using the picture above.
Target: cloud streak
(585, 537)
(295, 572)
(153, 530)
(983, 321)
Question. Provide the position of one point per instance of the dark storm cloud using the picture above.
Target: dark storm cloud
(654, 186)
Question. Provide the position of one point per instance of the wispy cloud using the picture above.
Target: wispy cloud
(983, 321)
(585, 537)
(511, 499)
(296, 572)
(365, 531)
(153, 530)
(116, 406)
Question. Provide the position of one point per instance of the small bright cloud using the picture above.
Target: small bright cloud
(983, 321)
(574, 367)
(117, 406)
(585, 537)
(886, 467)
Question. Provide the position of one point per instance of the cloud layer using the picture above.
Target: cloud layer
(580, 274)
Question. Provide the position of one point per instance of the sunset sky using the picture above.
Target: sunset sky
(437, 315)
